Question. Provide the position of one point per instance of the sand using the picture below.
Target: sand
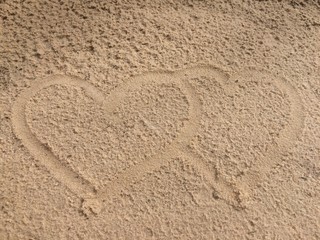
(159, 119)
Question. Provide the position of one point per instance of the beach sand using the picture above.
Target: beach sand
(159, 119)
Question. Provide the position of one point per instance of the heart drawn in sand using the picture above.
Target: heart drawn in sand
(180, 147)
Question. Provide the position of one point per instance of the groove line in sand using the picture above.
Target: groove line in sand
(229, 192)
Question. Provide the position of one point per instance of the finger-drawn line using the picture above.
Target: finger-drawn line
(61, 172)
(228, 192)
(287, 136)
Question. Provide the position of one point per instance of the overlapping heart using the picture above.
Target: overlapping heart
(230, 192)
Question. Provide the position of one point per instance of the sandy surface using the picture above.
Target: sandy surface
(159, 120)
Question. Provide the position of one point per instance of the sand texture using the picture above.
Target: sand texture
(159, 119)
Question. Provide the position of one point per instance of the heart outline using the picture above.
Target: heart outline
(232, 193)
